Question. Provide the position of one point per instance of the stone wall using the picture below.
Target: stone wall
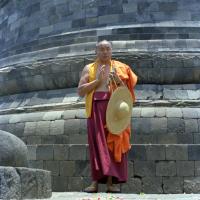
(28, 24)
(54, 73)
(165, 139)
(170, 113)
(45, 44)
(163, 125)
(152, 168)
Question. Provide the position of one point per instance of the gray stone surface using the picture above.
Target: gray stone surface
(144, 168)
(175, 112)
(67, 168)
(22, 183)
(177, 152)
(55, 100)
(134, 185)
(191, 184)
(191, 125)
(69, 78)
(75, 152)
(44, 152)
(158, 126)
(152, 185)
(185, 168)
(173, 185)
(13, 151)
(166, 168)
(197, 168)
(149, 112)
(57, 127)
(149, 169)
(155, 152)
(31, 152)
(76, 183)
(30, 128)
(42, 128)
(59, 183)
(193, 152)
(44, 190)
(61, 152)
(10, 188)
(175, 125)
(28, 182)
(165, 126)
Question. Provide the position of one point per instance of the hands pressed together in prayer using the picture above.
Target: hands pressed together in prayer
(108, 78)
(102, 74)
(112, 77)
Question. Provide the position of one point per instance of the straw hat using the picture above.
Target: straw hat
(119, 109)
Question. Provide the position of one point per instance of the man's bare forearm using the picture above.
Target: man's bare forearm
(88, 87)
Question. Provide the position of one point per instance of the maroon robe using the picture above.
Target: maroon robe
(101, 159)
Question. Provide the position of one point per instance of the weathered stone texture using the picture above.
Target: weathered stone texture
(22, 183)
(148, 171)
(13, 151)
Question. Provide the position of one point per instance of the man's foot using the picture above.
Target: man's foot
(93, 188)
(113, 189)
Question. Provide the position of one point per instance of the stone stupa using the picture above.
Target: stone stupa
(44, 47)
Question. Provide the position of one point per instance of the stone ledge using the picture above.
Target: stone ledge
(81, 105)
(183, 95)
(129, 47)
(24, 183)
(128, 32)
(148, 124)
(64, 72)
(152, 168)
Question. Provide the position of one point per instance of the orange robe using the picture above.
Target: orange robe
(118, 144)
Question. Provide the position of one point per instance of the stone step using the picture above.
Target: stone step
(173, 138)
(146, 48)
(146, 95)
(126, 33)
(152, 168)
(152, 65)
(156, 125)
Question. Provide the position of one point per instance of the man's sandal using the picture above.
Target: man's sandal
(113, 189)
(91, 189)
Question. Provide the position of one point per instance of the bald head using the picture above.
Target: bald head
(103, 43)
(104, 51)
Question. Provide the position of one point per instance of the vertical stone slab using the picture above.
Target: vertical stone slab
(29, 185)
(10, 186)
(43, 179)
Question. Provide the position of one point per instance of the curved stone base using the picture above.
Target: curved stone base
(22, 74)
(23, 183)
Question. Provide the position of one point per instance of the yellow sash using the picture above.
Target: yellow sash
(89, 96)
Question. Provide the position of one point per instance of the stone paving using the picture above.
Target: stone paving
(105, 196)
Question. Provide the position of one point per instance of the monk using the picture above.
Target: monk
(108, 152)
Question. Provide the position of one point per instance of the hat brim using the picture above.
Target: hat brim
(114, 125)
